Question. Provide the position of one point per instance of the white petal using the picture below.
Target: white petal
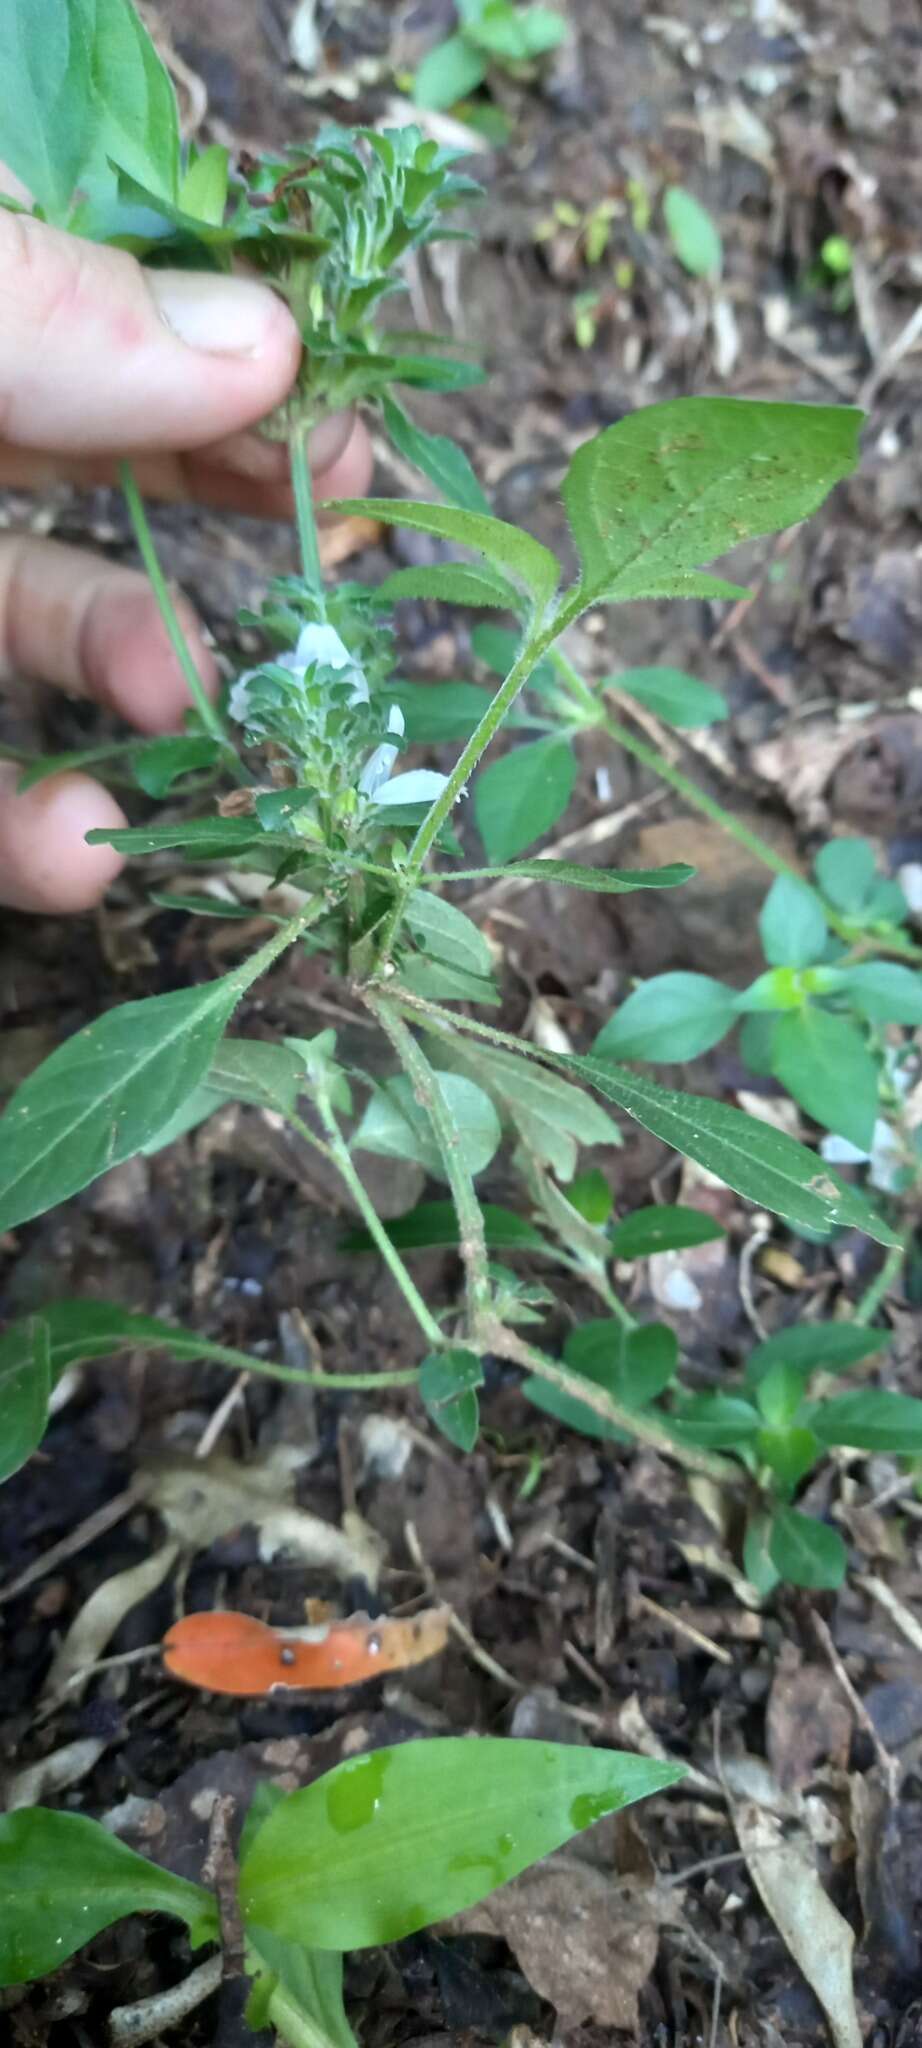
(239, 698)
(395, 720)
(376, 770)
(419, 786)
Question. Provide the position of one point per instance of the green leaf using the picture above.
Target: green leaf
(812, 1346)
(205, 838)
(497, 647)
(311, 1983)
(449, 73)
(590, 1195)
(448, 1382)
(513, 34)
(159, 763)
(779, 1393)
(674, 485)
(679, 699)
(663, 1227)
(757, 1563)
(447, 1821)
(870, 1419)
(106, 1091)
(552, 1117)
(436, 712)
(846, 870)
(806, 1552)
(441, 460)
(672, 1017)
(763, 1164)
(633, 1366)
(206, 906)
(25, 1389)
(884, 992)
(792, 925)
(790, 1453)
(434, 1224)
(692, 232)
(441, 983)
(397, 1126)
(44, 765)
(203, 192)
(443, 930)
(599, 881)
(63, 1878)
(823, 1061)
(48, 113)
(257, 1071)
(450, 583)
(137, 121)
(521, 796)
(714, 1422)
(506, 547)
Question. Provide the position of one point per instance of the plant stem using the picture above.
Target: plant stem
(338, 1151)
(879, 1287)
(467, 761)
(644, 1428)
(304, 511)
(448, 1139)
(293, 2024)
(693, 794)
(210, 718)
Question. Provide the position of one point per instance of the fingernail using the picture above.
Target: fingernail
(222, 316)
(329, 439)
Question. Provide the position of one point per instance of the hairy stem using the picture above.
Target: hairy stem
(338, 1151)
(448, 1139)
(209, 716)
(304, 511)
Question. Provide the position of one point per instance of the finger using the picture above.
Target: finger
(44, 862)
(245, 473)
(98, 354)
(94, 629)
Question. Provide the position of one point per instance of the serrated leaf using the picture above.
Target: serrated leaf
(448, 1820)
(441, 460)
(792, 926)
(823, 1061)
(63, 1878)
(870, 1419)
(692, 232)
(673, 1017)
(812, 1346)
(677, 484)
(599, 881)
(108, 1090)
(806, 1552)
(25, 1389)
(763, 1164)
(521, 796)
(448, 1383)
(680, 699)
(662, 1227)
(507, 548)
(434, 1224)
(443, 930)
(205, 838)
(450, 583)
(396, 1124)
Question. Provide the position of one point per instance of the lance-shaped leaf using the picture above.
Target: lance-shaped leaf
(108, 1090)
(391, 1842)
(441, 460)
(25, 1387)
(757, 1161)
(509, 550)
(63, 1878)
(675, 485)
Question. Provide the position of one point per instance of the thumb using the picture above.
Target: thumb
(98, 355)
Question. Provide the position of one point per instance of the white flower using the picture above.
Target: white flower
(379, 764)
(419, 786)
(318, 645)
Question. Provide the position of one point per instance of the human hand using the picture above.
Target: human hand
(101, 359)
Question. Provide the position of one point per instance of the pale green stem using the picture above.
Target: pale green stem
(650, 758)
(879, 1288)
(293, 2025)
(185, 1346)
(448, 1139)
(304, 511)
(206, 710)
(338, 1151)
(442, 808)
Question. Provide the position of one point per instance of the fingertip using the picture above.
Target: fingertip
(128, 661)
(45, 863)
(349, 474)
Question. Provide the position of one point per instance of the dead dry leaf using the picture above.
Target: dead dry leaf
(584, 1943)
(202, 1502)
(813, 1931)
(39, 1782)
(91, 1632)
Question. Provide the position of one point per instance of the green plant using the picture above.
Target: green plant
(311, 736)
(818, 1019)
(489, 32)
(372, 1851)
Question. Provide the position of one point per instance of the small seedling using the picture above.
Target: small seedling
(490, 33)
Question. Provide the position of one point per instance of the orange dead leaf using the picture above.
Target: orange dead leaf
(238, 1655)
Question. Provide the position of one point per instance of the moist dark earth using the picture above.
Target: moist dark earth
(594, 1583)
